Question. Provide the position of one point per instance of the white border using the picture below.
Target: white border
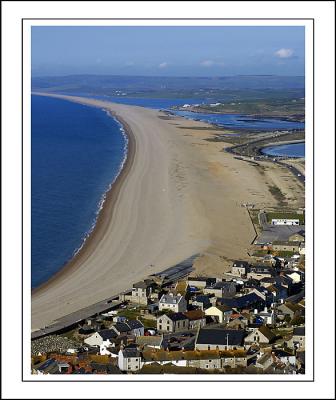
(323, 12)
(27, 229)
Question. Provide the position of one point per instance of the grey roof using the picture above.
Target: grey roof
(176, 316)
(107, 334)
(122, 327)
(299, 331)
(231, 337)
(134, 324)
(169, 299)
(226, 285)
(131, 353)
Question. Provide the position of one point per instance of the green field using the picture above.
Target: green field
(285, 215)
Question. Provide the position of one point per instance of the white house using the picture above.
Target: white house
(129, 360)
(101, 337)
(173, 303)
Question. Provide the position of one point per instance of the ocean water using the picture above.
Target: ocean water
(288, 150)
(77, 151)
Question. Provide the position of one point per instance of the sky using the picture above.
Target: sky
(167, 50)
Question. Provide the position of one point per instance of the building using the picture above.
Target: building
(299, 338)
(261, 335)
(172, 303)
(220, 339)
(297, 237)
(201, 282)
(221, 289)
(239, 268)
(154, 342)
(137, 327)
(259, 272)
(174, 322)
(102, 337)
(129, 360)
(141, 291)
(196, 318)
(221, 313)
(285, 221)
(264, 361)
(286, 246)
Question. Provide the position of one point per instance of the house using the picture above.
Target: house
(141, 291)
(259, 272)
(154, 342)
(221, 313)
(203, 359)
(297, 237)
(284, 357)
(220, 339)
(172, 303)
(237, 321)
(136, 327)
(247, 301)
(196, 318)
(221, 289)
(201, 301)
(298, 339)
(264, 361)
(129, 360)
(101, 337)
(267, 317)
(121, 328)
(290, 309)
(173, 322)
(285, 246)
(260, 335)
(201, 282)
(239, 268)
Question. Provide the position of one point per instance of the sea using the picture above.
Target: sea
(77, 152)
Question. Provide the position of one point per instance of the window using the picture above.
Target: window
(160, 326)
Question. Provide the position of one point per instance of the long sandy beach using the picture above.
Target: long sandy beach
(178, 195)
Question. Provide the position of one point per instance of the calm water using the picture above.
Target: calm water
(77, 151)
(290, 150)
(237, 121)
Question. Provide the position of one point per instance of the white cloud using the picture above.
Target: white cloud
(284, 53)
(207, 63)
(163, 65)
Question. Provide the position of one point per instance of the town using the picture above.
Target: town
(249, 321)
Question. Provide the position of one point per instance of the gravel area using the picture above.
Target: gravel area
(52, 343)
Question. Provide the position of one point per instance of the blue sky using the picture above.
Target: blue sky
(168, 51)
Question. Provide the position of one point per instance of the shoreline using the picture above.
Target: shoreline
(101, 224)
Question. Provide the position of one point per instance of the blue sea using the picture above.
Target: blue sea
(77, 151)
(286, 150)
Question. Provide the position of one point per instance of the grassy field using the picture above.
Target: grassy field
(284, 215)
